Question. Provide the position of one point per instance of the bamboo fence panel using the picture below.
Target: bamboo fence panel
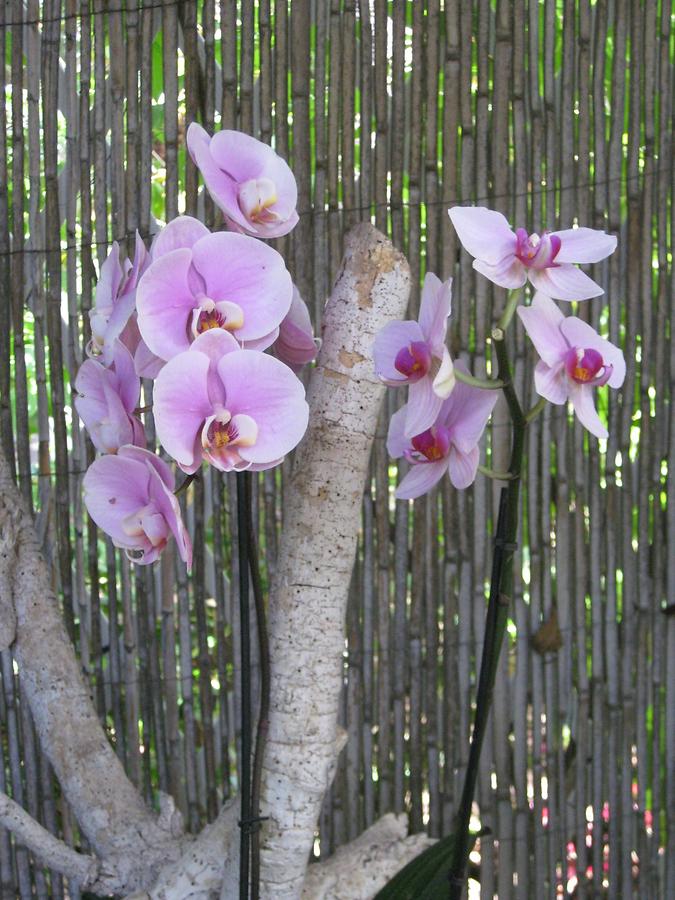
(551, 112)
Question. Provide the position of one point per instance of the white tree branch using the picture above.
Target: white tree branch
(109, 809)
(51, 851)
(359, 869)
(321, 524)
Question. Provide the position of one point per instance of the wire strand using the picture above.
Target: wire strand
(91, 13)
(326, 211)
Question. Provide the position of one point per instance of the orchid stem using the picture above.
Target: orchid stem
(486, 384)
(243, 502)
(263, 717)
(509, 310)
(185, 484)
(496, 476)
(536, 409)
(501, 588)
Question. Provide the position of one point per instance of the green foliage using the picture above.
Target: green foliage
(425, 877)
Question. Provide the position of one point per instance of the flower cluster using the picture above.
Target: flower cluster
(439, 428)
(195, 313)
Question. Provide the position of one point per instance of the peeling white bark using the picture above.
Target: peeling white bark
(208, 864)
(321, 524)
(358, 870)
(109, 809)
(86, 870)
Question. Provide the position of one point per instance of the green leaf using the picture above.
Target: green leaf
(424, 878)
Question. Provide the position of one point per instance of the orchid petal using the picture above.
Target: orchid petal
(155, 528)
(102, 410)
(435, 307)
(581, 396)
(232, 162)
(181, 403)
(423, 407)
(295, 344)
(466, 412)
(261, 343)
(420, 479)
(168, 506)
(164, 300)
(110, 278)
(564, 282)
(462, 466)
(542, 321)
(550, 382)
(583, 245)
(221, 184)
(388, 342)
(245, 158)
(184, 231)
(214, 343)
(509, 273)
(262, 387)
(120, 325)
(397, 442)
(151, 459)
(128, 382)
(245, 271)
(114, 489)
(444, 380)
(484, 233)
(146, 364)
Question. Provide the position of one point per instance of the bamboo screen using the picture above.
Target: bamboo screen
(553, 113)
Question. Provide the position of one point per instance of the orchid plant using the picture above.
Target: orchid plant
(215, 320)
(196, 313)
(438, 430)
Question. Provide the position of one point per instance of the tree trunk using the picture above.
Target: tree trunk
(321, 525)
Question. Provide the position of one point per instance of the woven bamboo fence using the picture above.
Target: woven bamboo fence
(551, 112)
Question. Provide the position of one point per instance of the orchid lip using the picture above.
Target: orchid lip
(222, 436)
(586, 366)
(414, 360)
(210, 314)
(256, 197)
(537, 251)
(431, 445)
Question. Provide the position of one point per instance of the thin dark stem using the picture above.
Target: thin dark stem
(263, 718)
(243, 493)
(501, 588)
(185, 484)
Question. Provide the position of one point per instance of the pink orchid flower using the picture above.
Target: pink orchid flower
(254, 187)
(113, 315)
(130, 497)
(199, 281)
(236, 409)
(107, 399)
(449, 445)
(414, 354)
(296, 344)
(574, 360)
(547, 259)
